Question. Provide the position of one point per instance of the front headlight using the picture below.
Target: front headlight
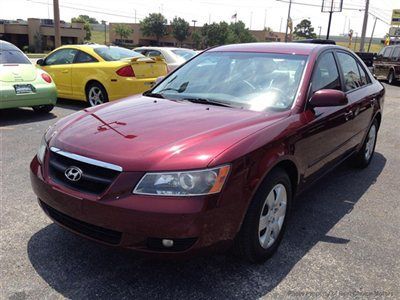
(42, 150)
(185, 183)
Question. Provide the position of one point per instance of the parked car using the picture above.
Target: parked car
(174, 57)
(386, 65)
(214, 155)
(98, 74)
(22, 84)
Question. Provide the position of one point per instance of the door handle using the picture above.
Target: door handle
(64, 71)
(348, 115)
(373, 101)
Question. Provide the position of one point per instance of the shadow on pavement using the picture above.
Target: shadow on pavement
(77, 268)
(15, 116)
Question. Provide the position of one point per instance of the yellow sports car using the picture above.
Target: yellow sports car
(97, 74)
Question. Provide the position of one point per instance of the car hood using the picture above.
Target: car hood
(17, 73)
(143, 134)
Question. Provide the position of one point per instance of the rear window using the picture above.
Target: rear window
(185, 54)
(116, 53)
(13, 57)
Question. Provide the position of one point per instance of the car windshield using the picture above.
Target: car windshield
(186, 54)
(253, 81)
(115, 53)
(13, 57)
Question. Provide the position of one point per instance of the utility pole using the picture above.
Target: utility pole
(135, 15)
(330, 20)
(320, 28)
(372, 34)
(364, 28)
(265, 18)
(280, 26)
(194, 25)
(251, 19)
(287, 21)
(57, 36)
(105, 31)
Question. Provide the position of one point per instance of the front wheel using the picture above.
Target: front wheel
(264, 224)
(43, 109)
(96, 94)
(363, 157)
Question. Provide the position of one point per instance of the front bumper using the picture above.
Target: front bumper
(119, 218)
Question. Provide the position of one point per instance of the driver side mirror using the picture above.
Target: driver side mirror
(326, 98)
(40, 62)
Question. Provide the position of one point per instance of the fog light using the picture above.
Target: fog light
(167, 243)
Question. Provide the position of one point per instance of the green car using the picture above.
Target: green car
(22, 84)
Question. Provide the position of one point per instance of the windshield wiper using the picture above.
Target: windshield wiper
(207, 101)
(154, 95)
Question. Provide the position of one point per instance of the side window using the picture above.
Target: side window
(61, 57)
(326, 75)
(396, 54)
(364, 77)
(83, 57)
(387, 52)
(351, 74)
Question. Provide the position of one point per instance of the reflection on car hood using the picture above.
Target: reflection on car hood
(143, 133)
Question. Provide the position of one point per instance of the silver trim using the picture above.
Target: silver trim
(87, 160)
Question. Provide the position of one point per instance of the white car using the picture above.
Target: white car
(174, 57)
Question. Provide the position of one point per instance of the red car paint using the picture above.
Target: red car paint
(143, 134)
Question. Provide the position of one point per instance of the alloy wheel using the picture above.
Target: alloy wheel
(272, 216)
(370, 144)
(96, 96)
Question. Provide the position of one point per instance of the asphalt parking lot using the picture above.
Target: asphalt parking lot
(343, 238)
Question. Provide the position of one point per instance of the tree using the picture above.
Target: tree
(238, 33)
(304, 30)
(180, 29)
(86, 20)
(215, 34)
(154, 25)
(196, 38)
(123, 31)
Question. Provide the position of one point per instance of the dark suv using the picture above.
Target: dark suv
(387, 64)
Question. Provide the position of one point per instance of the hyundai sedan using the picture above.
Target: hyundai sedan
(214, 155)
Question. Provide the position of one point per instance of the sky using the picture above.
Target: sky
(254, 13)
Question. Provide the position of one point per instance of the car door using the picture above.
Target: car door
(395, 61)
(357, 86)
(84, 67)
(58, 65)
(326, 131)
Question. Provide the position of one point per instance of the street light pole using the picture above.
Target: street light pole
(105, 31)
(57, 36)
(364, 28)
(320, 28)
(330, 20)
(287, 21)
(372, 34)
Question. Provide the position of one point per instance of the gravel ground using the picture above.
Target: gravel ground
(342, 241)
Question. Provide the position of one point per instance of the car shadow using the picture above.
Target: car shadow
(14, 116)
(77, 268)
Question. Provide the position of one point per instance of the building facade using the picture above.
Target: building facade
(37, 35)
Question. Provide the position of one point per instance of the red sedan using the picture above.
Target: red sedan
(214, 155)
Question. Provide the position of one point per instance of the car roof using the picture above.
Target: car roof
(163, 48)
(284, 48)
(7, 46)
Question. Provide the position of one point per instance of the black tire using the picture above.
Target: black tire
(248, 242)
(96, 87)
(43, 109)
(391, 78)
(361, 159)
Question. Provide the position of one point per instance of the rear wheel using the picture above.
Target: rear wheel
(363, 157)
(96, 94)
(391, 77)
(265, 222)
(43, 109)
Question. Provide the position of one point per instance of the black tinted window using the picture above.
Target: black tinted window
(387, 52)
(61, 57)
(351, 73)
(396, 54)
(83, 57)
(326, 75)
(13, 57)
(364, 77)
(115, 53)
